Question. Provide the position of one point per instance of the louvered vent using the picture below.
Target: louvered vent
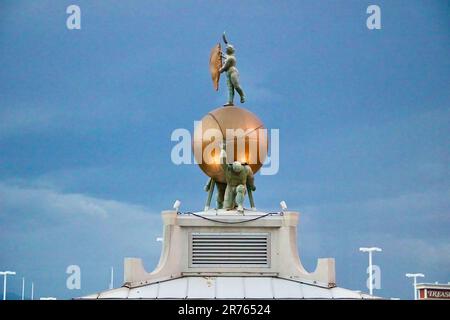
(229, 250)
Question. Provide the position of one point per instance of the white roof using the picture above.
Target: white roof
(443, 286)
(229, 288)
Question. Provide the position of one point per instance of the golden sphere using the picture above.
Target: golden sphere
(239, 128)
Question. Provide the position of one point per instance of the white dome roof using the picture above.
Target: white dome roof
(229, 288)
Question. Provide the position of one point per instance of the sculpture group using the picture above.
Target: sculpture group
(239, 179)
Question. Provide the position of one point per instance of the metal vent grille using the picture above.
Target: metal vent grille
(229, 250)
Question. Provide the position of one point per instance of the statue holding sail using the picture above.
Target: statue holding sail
(220, 63)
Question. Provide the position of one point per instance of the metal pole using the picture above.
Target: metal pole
(111, 283)
(415, 276)
(370, 274)
(5, 275)
(23, 288)
(369, 251)
(415, 288)
(4, 286)
(32, 291)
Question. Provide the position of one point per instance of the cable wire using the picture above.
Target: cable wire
(231, 222)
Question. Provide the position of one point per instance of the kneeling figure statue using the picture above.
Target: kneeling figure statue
(238, 177)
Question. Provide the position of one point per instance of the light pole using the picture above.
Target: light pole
(5, 274)
(111, 282)
(23, 288)
(415, 276)
(370, 250)
(32, 290)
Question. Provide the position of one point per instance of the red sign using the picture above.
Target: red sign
(438, 294)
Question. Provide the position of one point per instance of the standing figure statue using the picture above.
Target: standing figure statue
(229, 66)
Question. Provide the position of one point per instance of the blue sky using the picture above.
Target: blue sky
(86, 117)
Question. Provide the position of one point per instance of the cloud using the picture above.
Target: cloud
(21, 116)
(24, 119)
(427, 203)
(412, 229)
(30, 201)
(424, 253)
(261, 93)
(43, 230)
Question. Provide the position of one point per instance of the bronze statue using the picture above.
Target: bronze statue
(234, 179)
(204, 149)
(239, 179)
(228, 66)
